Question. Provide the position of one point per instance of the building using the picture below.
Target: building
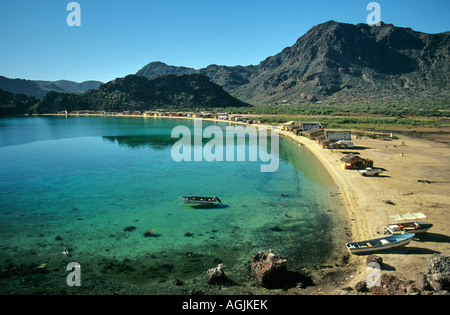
(335, 136)
(353, 161)
(313, 133)
(306, 125)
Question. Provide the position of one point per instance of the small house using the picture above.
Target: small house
(234, 118)
(336, 136)
(353, 161)
(324, 142)
(313, 134)
(306, 125)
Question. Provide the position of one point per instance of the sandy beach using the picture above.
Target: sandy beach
(370, 200)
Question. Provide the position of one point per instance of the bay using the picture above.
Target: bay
(96, 185)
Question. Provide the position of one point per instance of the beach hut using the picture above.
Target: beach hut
(339, 135)
(313, 134)
(307, 125)
(353, 161)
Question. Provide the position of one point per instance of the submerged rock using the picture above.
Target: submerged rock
(151, 234)
(216, 276)
(276, 229)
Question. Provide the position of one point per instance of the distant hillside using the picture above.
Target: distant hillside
(69, 86)
(133, 93)
(15, 104)
(38, 89)
(342, 63)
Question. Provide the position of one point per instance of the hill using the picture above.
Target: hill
(15, 104)
(136, 93)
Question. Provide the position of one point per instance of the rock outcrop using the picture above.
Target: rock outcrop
(269, 269)
(435, 280)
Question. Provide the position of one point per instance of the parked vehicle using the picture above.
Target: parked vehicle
(370, 172)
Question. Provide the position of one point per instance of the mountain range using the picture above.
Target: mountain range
(338, 62)
(334, 64)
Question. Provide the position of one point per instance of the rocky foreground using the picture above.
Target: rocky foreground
(434, 280)
(270, 271)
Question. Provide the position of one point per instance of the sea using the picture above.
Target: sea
(103, 192)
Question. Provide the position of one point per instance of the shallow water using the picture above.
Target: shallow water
(96, 185)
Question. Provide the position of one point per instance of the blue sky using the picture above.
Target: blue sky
(118, 37)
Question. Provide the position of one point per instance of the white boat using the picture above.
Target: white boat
(202, 200)
(408, 223)
(392, 241)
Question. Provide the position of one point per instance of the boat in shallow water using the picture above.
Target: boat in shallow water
(378, 244)
(201, 200)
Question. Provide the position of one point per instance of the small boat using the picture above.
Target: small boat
(202, 200)
(379, 243)
(408, 223)
(409, 227)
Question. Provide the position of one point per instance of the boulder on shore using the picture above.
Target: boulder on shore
(438, 272)
(374, 259)
(269, 269)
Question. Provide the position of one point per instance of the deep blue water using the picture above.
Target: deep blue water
(80, 182)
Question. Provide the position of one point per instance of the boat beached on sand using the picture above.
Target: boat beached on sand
(408, 223)
(392, 241)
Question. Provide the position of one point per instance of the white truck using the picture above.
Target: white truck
(370, 172)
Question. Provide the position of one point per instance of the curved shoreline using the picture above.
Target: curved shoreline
(405, 161)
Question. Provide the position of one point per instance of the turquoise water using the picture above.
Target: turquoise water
(95, 185)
